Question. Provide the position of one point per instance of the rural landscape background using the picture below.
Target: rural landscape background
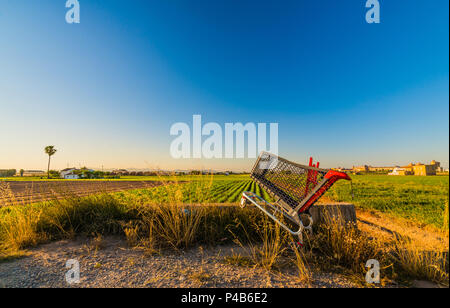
(402, 221)
(86, 172)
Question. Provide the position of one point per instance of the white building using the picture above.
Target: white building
(71, 176)
(400, 171)
(68, 174)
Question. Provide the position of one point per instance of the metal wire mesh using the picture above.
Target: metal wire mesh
(285, 180)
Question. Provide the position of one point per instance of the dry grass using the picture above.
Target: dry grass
(132, 235)
(445, 224)
(301, 263)
(201, 276)
(238, 260)
(417, 251)
(269, 249)
(344, 245)
(176, 225)
(97, 242)
(19, 230)
(420, 264)
(401, 258)
(272, 249)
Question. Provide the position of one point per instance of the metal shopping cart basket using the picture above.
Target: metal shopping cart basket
(294, 187)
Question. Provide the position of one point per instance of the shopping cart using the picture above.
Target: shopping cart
(294, 187)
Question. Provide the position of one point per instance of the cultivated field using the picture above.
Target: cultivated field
(421, 200)
(26, 192)
(404, 224)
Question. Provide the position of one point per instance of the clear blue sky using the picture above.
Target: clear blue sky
(107, 90)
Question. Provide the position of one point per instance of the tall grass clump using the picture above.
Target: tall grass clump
(421, 264)
(19, 229)
(300, 261)
(344, 245)
(97, 214)
(26, 226)
(445, 214)
(184, 226)
(272, 248)
(174, 225)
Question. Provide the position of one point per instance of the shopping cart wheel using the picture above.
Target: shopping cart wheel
(308, 226)
(244, 202)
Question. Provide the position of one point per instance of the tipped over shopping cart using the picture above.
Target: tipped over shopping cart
(294, 187)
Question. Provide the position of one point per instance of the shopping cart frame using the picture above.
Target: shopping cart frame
(294, 187)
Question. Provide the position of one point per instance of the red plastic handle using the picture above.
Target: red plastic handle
(339, 175)
(332, 176)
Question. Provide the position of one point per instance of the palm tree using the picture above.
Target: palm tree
(49, 150)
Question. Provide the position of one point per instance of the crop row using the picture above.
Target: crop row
(221, 191)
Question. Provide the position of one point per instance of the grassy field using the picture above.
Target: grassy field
(421, 199)
(201, 190)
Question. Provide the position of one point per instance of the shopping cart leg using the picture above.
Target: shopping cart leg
(249, 197)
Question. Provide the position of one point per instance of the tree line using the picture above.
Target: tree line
(8, 172)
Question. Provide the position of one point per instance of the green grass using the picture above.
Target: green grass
(201, 191)
(421, 199)
(232, 177)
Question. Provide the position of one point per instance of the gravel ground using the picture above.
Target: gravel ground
(110, 263)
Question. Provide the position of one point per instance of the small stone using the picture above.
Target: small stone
(423, 284)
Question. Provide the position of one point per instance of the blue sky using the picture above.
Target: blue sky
(106, 91)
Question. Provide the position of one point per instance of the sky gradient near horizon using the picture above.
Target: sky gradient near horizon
(106, 91)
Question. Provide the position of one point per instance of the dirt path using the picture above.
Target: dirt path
(113, 264)
(389, 227)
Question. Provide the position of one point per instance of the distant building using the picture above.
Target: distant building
(381, 169)
(424, 170)
(69, 174)
(401, 171)
(75, 174)
(437, 166)
(409, 168)
(364, 168)
(34, 173)
(342, 169)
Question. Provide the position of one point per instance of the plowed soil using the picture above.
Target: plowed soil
(25, 192)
